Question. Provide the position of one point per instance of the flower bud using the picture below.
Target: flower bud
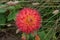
(37, 37)
(23, 37)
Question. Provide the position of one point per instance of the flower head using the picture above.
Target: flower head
(28, 20)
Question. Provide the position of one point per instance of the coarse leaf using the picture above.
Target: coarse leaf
(2, 19)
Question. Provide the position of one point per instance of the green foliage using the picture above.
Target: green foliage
(12, 13)
(2, 10)
(47, 32)
(42, 35)
(2, 19)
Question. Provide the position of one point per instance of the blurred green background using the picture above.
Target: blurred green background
(49, 10)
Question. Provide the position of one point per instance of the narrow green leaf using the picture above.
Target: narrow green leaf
(41, 34)
(2, 10)
(2, 19)
(11, 16)
(49, 35)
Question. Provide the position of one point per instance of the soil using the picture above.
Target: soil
(9, 35)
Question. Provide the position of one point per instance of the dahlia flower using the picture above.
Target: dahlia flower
(28, 20)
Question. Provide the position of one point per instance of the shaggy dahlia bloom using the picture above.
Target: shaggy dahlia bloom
(28, 20)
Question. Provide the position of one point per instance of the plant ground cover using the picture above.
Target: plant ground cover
(49, 10)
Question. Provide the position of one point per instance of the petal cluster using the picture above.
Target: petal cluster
(28, 20)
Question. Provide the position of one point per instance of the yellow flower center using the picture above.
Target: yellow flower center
(29, 20)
